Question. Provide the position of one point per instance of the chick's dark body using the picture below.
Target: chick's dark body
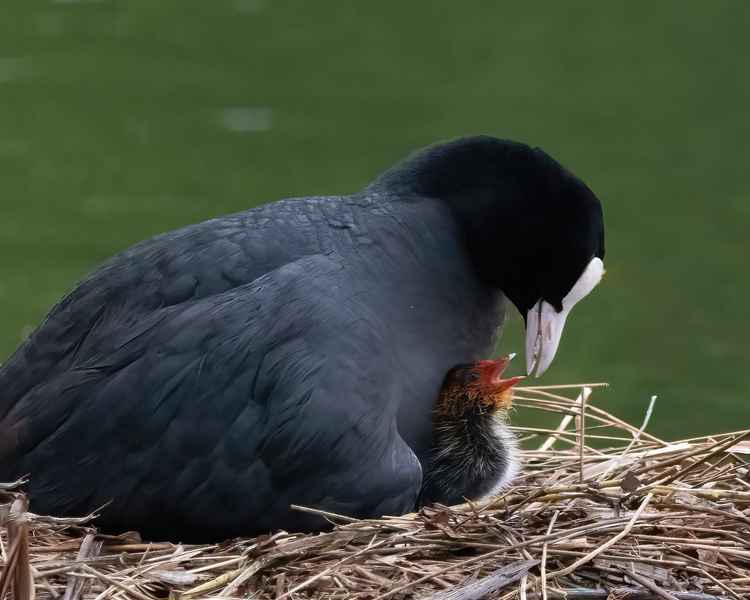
(474, 453)
(205, 380)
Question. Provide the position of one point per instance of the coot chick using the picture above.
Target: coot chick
(474, 453)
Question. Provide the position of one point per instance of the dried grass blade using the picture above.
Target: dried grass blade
(481, 588)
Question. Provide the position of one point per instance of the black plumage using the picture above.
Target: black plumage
(202, 381)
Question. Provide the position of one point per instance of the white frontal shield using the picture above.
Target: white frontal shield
(544, 325)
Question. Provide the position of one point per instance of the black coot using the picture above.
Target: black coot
(204, 380)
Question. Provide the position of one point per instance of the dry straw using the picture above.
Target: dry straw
(610, 513)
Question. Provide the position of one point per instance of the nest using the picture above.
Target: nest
(603, 510)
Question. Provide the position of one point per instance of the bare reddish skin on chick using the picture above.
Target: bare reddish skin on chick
(476, 387)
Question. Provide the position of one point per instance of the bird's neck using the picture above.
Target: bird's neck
(492, 200)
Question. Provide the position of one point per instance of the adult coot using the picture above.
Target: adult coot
(474, 453)
(202, 381)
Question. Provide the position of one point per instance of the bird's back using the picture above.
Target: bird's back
(171, 269)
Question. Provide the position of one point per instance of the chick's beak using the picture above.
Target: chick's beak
(501, 388)
(506, 384)
(504, 392)
(492, 370)
(497, 367)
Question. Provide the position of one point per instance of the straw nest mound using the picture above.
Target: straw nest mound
(603, 510)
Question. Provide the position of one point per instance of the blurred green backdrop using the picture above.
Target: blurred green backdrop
(122, 119)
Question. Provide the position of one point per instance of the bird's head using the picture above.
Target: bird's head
(476, 388)
(532, 228)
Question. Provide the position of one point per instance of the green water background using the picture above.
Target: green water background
(119, 120)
